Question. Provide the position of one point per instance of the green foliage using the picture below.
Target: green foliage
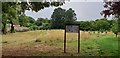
(37, 6)
(97, 25)
(60, 17)
(12, 10)
(85, 25)
(112, 8)
(31, 20)
(70, 16)
(115, 27)
(23, 20)
(34, 27)
(45, 26)
(102, 25)
(39, 21)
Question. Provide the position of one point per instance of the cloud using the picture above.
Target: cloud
(84, 10)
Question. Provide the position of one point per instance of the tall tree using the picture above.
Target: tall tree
(112, 8)
(9, 12)
(60, 17)
(70, 16)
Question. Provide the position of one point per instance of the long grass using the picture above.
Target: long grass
(50, 42)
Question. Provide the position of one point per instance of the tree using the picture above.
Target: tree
(115, 29)
(36, 6)
(11, 15)
(60, 17)
(5, 16)
(70, 16)
(4, 23)
(11, 10)
(57, 18)
(31, 21)
(39, 21)
(46, 20)
(112, 8)
(102, 25)
(85, 25)
(93, 26)
(23, 20)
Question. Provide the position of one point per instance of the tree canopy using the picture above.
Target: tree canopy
(113, 8)
(60, 17)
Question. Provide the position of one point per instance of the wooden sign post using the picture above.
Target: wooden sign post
(73, 28)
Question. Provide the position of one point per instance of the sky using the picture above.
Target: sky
(85, 11)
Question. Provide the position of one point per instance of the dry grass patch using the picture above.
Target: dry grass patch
(44, 42)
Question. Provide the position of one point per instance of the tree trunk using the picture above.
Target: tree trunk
(4, 29)
(12, 28)
(116, 34)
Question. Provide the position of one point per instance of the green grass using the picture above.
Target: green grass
(108, 45)
(50, 42)
(103, 46)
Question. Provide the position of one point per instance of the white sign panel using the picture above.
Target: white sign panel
(72, 28)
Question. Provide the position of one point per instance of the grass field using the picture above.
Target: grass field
(50, 43)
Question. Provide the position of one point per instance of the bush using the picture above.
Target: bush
(45, 26)
(34, 27)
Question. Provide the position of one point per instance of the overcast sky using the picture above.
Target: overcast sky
(83, 10)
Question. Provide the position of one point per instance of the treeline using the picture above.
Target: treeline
(29, 22)
(97, 25)
(13, 13)
(100, 25)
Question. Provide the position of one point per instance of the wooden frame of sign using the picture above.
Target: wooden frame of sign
(72, 28)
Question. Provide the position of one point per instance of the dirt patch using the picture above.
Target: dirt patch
(26, 50)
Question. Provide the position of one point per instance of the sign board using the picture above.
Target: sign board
(72, 28)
